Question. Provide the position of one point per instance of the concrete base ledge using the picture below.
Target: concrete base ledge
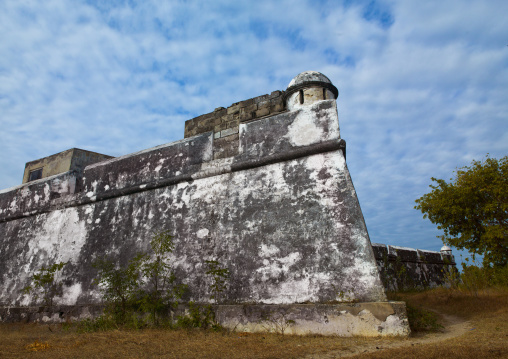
(55, 314)
(352, 319)
(369, 319)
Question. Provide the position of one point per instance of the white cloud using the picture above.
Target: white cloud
(422, 84)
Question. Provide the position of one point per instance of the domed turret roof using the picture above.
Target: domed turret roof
(309, 76)
(310, 79)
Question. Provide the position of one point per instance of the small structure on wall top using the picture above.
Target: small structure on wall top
(74, 159)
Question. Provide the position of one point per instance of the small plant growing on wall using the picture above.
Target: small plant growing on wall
(44, 285)
(147, 284)
(161, 290)
(203, 316)
(118, 287)
(219, 279)
(277, 322)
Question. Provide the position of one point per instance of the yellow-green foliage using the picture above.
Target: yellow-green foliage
(472, 209)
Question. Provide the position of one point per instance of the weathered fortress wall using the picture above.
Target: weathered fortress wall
(262, 187)
(275, 214)
(407, 268)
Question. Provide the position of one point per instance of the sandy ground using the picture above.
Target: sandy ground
(453, 327)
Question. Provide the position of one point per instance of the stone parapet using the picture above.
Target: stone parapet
(224, 121)
(38, 196)
(404, 268)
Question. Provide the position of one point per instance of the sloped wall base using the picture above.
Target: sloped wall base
(369, 319)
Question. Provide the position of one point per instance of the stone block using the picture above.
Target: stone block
(217, 121)
(250, 108)
(263, 104)
(246, 102)
(276, 100)
(261, 98)
(229, 131)
(205, 124)
(201, 118)
(277, 108)
(234, 109)
(246, 116)
(227, 118)
(221, 113)
(276, 93)
(263, 112)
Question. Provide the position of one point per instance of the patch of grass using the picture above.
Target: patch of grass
(99, 324)
(422, 320)
(419, 318)
(160, 343)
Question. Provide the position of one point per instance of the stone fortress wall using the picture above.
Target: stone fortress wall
(408, 269)
(262, 187)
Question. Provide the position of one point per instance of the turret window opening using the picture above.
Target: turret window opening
(301, 97)
(35, 174)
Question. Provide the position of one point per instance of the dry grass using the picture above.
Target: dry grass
(17, 338)
(488, 315)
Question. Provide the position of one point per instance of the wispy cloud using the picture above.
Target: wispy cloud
(423, 85)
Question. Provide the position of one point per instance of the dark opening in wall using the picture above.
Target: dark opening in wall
(301, 96)
(35, 174)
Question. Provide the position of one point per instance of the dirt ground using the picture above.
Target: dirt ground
(453, 327)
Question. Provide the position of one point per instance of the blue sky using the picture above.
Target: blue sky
(423, 84)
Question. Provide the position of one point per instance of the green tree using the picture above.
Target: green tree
(472, 209)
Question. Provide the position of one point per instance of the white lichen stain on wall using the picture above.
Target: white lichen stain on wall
(202, 233)
(304, 131)
(268, 250)
(47, 190)
(71, 294)
(273, 267)
(59, 238)
(307, 128)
